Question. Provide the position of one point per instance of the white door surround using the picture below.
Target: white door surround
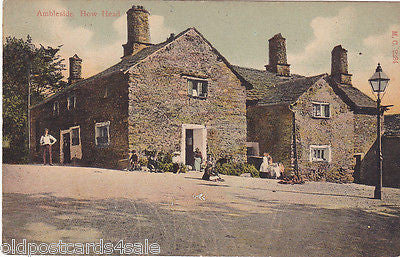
(75, 149)
(199, 140)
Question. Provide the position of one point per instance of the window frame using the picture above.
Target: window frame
(97, 126)
(69, 106)
(199, 81)
(326, 148)
(322, 111)
(56, 108)
(72, 137)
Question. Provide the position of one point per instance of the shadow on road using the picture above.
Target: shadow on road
(309, 193)
(212, 229)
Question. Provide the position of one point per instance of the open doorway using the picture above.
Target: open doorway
(193, 137)
(70, 145)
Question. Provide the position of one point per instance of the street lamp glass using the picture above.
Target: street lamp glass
(379, 80)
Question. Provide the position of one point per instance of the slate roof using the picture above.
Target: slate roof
(121, 66)
(288, 92)
(392, 125)
(266, 88)
(260, 81)
(353, 96)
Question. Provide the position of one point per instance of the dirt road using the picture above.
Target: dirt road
(188, 216)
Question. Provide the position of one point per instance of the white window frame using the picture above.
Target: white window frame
(199, 81)
(326, 148)
(56, 108)
(98, 125)
(79, 135)
(69, 105)
(321, 110)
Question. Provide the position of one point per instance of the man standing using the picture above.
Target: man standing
(46, 141)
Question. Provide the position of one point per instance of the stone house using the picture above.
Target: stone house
(314, 125)
(177, 95)
(367, 169)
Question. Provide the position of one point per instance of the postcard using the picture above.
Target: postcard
(212, 128)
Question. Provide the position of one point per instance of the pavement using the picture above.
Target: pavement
(188, 216)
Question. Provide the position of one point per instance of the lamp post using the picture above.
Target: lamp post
(379, 82)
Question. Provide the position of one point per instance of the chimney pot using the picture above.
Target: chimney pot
(339, 66)
(277, 56)
(75, 69)
(138, 29)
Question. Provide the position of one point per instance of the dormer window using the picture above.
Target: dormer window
(321, 110)
(197, 87)
(56, 108)
(71, 102)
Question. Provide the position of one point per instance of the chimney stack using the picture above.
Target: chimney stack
(277, 56)
(138, 30)
(75, 69)
(339, 68)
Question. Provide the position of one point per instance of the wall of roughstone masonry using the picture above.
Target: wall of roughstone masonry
(364, 132)
(336, 131)
(159, 102)
(91, 106)
(391, 163)
(271, 127)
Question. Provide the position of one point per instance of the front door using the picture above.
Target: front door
(66, 147)
(189, 147)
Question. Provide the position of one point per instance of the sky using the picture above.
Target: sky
(239, 30)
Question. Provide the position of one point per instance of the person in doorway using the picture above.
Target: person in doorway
(46, 141)
(197, 159)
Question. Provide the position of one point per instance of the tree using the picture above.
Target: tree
(43, 66)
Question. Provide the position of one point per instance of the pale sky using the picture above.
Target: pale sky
(239, 30)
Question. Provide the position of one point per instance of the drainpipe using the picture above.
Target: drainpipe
(294, 147)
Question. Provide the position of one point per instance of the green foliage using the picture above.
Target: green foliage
(164, 161)
(249, 168)
(237, 169)
(43, 66)
(143, 162)
(339, 176)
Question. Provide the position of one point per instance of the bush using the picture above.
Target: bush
(237, 169)
(143, 162)
(249, 168)
(340, 175)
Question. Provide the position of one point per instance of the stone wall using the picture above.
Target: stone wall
(364, 132)
(336, 131)
(159, 103)
(93, 104)
(391, 163)
(271, 127)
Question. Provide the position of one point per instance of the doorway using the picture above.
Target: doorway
(66, 147)
(70, 145)
(189, 151)
(193, 136)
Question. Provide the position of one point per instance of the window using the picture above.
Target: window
(106, 93)
(71, 102)
(197, 88)
(56, 108)
(321, 110)
(102, 133)
(320, 153)
(75, 136)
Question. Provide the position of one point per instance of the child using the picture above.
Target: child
(133, 160)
